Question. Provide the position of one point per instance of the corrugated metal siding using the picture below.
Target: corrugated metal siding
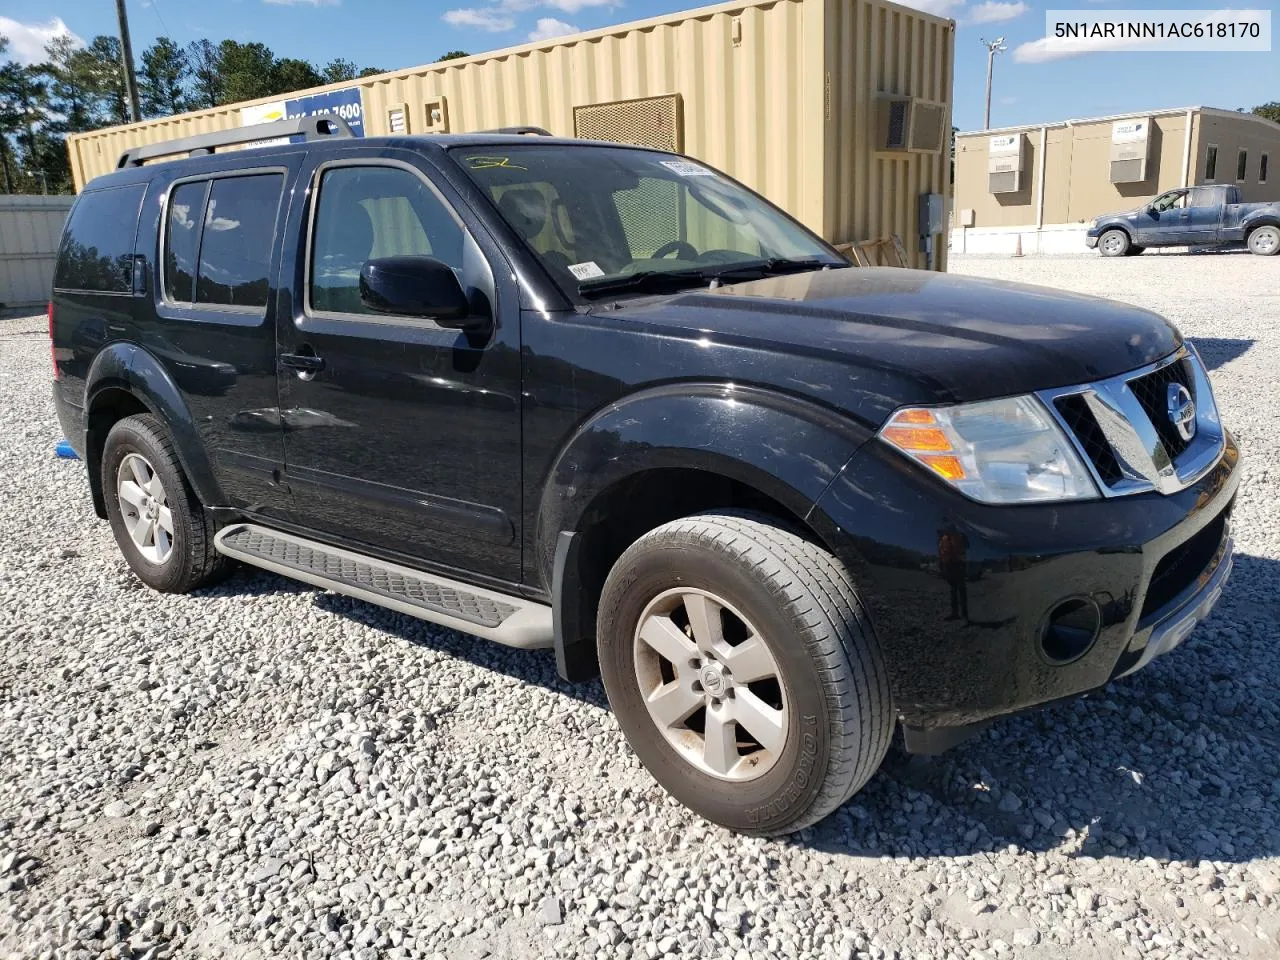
(30, 228)
(746, 105)
(779, 93)
(871, 48)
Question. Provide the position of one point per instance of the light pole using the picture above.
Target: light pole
(126, 57)
(993, 47)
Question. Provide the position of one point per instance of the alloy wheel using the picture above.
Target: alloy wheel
(711, 684)
(144, 509)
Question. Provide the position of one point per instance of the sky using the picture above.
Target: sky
(1030, 85)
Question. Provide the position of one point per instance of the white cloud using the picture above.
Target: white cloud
(28, 40)
(993, 11)
(548, 27)
(939, 8)
(487, 20)
(573, 6)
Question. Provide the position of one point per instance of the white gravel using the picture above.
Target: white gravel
(265, 770)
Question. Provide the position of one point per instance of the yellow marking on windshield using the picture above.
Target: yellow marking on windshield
(487, 163)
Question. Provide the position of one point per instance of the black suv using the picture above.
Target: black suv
(606, 399)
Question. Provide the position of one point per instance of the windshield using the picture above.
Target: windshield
(608, 219)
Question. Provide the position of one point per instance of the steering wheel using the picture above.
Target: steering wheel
(685, 250)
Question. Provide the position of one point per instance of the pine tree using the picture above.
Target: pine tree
(162, 79)
(205, 60)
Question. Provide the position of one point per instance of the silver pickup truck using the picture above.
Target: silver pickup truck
(1210, 215)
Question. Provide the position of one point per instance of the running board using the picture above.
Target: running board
(512, 621)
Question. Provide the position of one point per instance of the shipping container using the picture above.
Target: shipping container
(837, 110)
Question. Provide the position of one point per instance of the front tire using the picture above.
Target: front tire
(1265, 241)
(743, 672)
(160, 525)
(1114, 243)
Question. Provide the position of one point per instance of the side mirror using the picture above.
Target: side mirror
(417, 287)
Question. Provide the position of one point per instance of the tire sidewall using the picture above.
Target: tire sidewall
(1252, 240)
(1124, 249)
(128, 437)
(766, 805)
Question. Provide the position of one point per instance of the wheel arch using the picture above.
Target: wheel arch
(718, 449)
(125, 380)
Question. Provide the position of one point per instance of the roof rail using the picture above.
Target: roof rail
(313, 128)
(524, 131)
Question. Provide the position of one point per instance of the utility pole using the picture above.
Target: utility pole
(993, 47)
(126, 56)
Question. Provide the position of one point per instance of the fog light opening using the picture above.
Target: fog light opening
(1070, 630)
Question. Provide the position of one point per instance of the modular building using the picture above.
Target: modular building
(839, 111)
(1042, 183)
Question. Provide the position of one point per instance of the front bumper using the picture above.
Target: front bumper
(1090, 241)
(962, 638)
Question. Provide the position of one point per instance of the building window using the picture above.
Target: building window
(1242, 164)
(1262, 169)
(1211, 163)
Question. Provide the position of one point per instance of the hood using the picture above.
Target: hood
(913, 336)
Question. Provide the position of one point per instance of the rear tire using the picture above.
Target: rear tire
(768, 704)
(1114, 243)
(160, 525)
(1265, 241)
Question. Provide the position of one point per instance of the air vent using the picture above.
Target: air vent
(908, 124)
(646, 122)
(1004, 182)
(1130, 150)
(1128, 171)
(1006, 157)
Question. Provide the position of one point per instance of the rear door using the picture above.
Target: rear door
(399, 434)
(217, 257)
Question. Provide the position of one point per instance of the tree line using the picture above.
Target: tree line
(80, 88)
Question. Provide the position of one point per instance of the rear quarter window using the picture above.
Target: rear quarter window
(97, 246)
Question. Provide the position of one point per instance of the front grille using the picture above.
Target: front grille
(1152, 391)
(1184, 564)
(1075, 413)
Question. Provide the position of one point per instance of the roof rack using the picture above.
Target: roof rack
(313, 128)
(523, 131)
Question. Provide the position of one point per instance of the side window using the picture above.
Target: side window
(97, 246)
(182, 240)
(364, 213)
(235, 245)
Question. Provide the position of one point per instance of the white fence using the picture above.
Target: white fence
(29, 230)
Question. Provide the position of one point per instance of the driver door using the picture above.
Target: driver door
(399, 433)
(1165, 221)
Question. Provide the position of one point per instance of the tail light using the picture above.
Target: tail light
(53, 353)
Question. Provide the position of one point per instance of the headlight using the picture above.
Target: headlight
(996, 451)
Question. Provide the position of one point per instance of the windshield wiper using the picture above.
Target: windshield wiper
(643, 280)
(773, 266)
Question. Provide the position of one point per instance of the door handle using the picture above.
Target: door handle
(304, 362)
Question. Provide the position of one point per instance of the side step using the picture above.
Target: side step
(512, 621)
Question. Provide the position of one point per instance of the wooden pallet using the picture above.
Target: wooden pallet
(885, 252)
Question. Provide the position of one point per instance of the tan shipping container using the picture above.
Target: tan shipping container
(788, 96)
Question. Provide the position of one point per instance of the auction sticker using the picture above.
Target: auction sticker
(686, 168)
(586, 270)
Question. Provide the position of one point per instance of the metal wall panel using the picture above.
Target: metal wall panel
(30, 227)
(874, 47)
(778, 93)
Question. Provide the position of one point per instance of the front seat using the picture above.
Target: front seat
(342, 250)
(528, 211)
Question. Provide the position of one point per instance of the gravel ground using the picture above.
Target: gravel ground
(266, 770)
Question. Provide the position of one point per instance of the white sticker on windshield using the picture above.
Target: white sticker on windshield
(585, 271)
(686, 168)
